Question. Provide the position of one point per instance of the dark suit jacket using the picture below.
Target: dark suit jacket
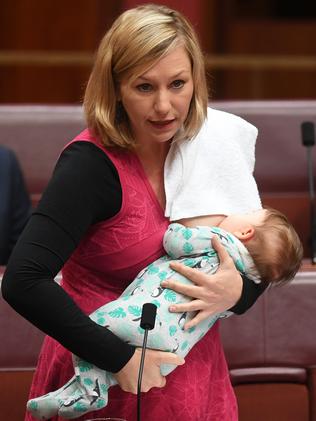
(15, 205)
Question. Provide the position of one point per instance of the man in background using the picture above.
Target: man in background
(15, 204)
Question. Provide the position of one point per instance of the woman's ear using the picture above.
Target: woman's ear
(245, 234)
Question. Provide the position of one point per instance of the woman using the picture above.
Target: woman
(101, 220)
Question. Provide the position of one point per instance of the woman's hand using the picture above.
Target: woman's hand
(127, 377)
(210, 294)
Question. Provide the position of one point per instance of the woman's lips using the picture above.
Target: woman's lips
(162, 124)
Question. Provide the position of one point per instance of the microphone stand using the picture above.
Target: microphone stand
(308, 138)
(147, 323)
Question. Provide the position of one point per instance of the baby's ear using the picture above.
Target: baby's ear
(245, 234)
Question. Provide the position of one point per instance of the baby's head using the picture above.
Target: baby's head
(271, 241)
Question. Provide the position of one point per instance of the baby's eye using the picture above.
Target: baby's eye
(144, 87)
(177, 84)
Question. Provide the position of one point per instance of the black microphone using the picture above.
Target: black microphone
(308, 139)
(308, 133)
(147, 323)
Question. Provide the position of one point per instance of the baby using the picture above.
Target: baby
(264, 247)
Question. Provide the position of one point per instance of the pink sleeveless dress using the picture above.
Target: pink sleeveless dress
(105, 262)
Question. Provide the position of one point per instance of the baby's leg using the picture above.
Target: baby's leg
(94, 382)
(82, 394)
(46, 406)
(122, 317)
(92, 393)
(85, 392)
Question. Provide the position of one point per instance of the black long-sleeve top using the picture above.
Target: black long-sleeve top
(84, 190)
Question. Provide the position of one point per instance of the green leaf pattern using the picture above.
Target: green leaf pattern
(170, 295)
(156, 302)
(135, 310)
(101, 403)
(101, 321)
(152, 269)
(80, 407)
(87, 381)
(187, 248)
(184, 345)
(163, 275)
(84, 366)
(118, 313)
(187, 233)
(123, 315)
(172, 330)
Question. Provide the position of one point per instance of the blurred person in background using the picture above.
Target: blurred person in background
(15, 204)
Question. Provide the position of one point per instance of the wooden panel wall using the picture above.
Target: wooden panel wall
(46, 48)
(268, 53)
(286, 60)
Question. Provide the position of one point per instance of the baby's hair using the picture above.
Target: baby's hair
(276, 248)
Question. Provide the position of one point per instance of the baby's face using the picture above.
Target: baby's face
(240, 222)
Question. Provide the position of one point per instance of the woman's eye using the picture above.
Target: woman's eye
(177, 84)
(144, 87)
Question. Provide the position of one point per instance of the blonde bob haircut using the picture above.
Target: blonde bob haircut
(136, 41)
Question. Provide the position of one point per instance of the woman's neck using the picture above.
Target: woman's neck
(153, 159)
(153, 154)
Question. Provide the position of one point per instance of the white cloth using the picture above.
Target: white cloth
(213, 173)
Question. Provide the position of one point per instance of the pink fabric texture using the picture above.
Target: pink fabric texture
(105, 262)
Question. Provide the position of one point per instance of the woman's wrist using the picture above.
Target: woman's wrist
(123, 354)
(249, 295)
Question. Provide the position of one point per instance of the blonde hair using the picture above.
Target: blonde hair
(276, 249)
(138, 39)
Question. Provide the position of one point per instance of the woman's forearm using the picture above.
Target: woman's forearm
(28, 286)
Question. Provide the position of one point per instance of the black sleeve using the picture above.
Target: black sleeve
(85, 180)
(249, 295)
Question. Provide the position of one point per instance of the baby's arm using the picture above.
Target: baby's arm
(180, 241)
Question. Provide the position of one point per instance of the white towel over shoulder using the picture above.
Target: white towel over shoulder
(213, 173)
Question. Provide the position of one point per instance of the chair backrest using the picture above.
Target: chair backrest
(37, 134)
(20, 341)
(278, 331)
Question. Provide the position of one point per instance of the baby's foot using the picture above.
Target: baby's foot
(81, 403)
(46, 406)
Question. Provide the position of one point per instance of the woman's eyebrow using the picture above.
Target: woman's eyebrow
(148, 79)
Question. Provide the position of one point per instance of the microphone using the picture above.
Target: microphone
(308, 135)
(308, 139)
(147, 323)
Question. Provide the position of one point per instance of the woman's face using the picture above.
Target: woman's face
(158, 101)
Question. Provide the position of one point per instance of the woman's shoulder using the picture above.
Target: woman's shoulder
(83, 179)
(87, 159)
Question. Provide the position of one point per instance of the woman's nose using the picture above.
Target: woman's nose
(162, 103)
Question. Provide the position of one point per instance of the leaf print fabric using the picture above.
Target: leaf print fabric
(88, 390)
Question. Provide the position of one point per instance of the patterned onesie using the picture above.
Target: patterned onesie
(87, 390)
